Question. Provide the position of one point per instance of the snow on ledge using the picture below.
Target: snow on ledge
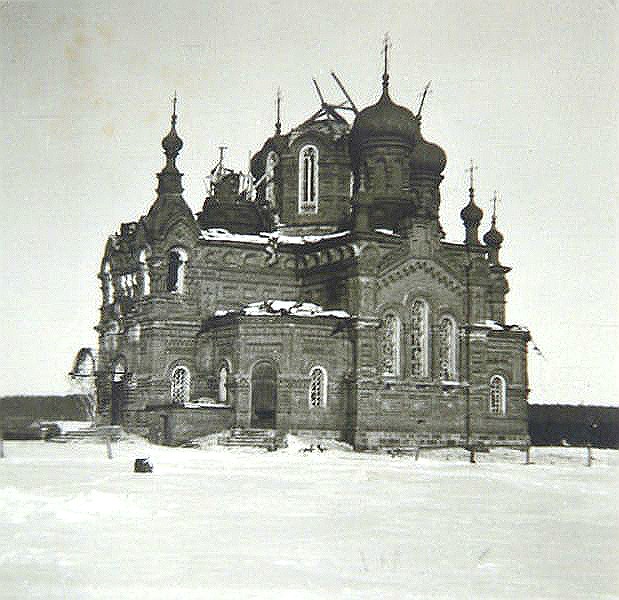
(205, 403)
(264, 238)
(496, 326)
(284, 307)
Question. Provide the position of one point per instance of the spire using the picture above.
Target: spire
(471, 214)
(387, 44)
(170, 177)
(278, 123)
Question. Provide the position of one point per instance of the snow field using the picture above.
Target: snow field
(221, 523)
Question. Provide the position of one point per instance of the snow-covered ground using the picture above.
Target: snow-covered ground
(218, 523)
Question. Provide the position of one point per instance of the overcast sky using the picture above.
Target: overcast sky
(527, 89)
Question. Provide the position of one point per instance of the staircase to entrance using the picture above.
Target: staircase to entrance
(271, 439)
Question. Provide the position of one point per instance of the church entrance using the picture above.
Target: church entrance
(263, 396)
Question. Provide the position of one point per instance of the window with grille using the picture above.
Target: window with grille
(318, 387)
(419, 339)
(308, 180)
(390, 346)
(497, 395)
(447, 348)
(180, 382)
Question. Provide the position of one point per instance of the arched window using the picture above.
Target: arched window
(269, 172)
(390, 346)
(180, 382)
(498, 398)
(318, 387)
(144, 273)
(177, 262)
(447, 348)
(419, 339)
(108, 284)
(222, 392)
(308, 180)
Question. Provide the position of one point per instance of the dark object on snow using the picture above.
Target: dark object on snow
(310, 449)
(142, 465)
(51, 430)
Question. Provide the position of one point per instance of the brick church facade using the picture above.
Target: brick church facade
(319, 298)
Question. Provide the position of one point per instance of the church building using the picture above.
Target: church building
(315, 295)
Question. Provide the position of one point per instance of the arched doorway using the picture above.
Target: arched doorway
(263, 395)
(118, 391)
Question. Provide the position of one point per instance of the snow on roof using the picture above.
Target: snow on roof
(223, 235)
(496, 326)
(205, 403)
(387, 232)
(284, 307)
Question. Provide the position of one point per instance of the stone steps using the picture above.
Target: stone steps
(94, 434)
(256, 438)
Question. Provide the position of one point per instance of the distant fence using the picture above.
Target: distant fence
(43, 408)
(561, 424)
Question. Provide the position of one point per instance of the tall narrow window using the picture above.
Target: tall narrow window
(419, 339)
(308, 180)
(222, 394)
(108, 284)
(180, 385)
(269, 172)
(177, 263)
(498, 403)
(318, 387)
(447, 348)
(390, 346)
(144, 275)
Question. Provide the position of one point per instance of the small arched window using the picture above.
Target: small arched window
(269, 172)
(177, 264)
(498, 400)
(308, 180)
(419, 339)
(448, 339)
(390, 346)
(318, 387)
(144, 274)
(222, 392)
(180, 382)
(108, 284)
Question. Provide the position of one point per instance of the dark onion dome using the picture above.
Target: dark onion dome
(493, 237)
(172, 143)
(385, 119)
(428, 157)
(471, 213)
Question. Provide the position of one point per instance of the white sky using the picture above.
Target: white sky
(527, 89)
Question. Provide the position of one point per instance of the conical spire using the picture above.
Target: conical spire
(278, 122)
(471, 214)
(170, 177)
(387, 43)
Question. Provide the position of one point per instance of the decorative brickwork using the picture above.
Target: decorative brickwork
(322, 300)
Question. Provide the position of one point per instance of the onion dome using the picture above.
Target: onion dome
(428, 157)
(385, 119)
(172, 143)
(493, 237)
(471, 213)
